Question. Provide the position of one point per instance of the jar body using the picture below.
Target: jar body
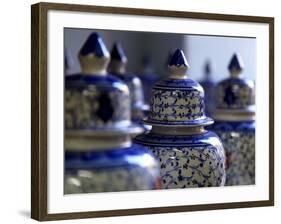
(187, 160)
(111, 170)
(239, 143)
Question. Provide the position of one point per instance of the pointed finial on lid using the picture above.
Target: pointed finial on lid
(94, 56)
(118, 59)
(94, 45)
(178, 65)
(236, 65)
(117, 53)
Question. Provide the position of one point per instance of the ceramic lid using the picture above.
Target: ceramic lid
(235, 95)
(94, 56)
(97, 103)
(177, 100)
(118, 60)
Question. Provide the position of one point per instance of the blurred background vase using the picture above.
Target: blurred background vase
(148, 77)
(235, 123)
(117, 67)
(99, 153)
(208, 85)
(189, 155)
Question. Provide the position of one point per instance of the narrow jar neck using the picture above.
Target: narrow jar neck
(178, 130)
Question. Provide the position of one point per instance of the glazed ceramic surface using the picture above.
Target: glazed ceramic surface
(189, 155)
(123, 169)
(239, 143)
(99, 154)
(187, 160)
(235, 124)
(117, 67)
(93, 102)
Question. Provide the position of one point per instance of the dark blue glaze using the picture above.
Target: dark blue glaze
(238, 126)
(203, 139)
(235, 63)
(81, 81)
(94, 45)
(178, 84)
(230, 92)
(207, 85)
(117, 53)
(178, 59)
(236, 81)
(134, 155)
(202, 121)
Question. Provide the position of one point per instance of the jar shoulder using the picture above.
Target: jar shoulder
(80, 81)
(208, 138)
(135, 155)
(233, 126)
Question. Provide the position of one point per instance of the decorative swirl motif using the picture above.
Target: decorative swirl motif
(185, 167)
(176, 105)
(83, 108)
(235, 93)
(178, 84)
(239, 143)
(187, 161)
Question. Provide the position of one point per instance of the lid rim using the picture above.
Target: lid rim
(200, 122)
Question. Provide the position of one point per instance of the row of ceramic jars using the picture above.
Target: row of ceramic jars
(99, 153)
(188, 154)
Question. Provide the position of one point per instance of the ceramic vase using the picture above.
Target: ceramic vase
(99, 153)
(235, 124)
(189, 155)
(117, 67)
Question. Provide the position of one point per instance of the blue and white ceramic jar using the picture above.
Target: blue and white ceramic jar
(117, 67)
(235, 124)
(209, 86)
(99, 153)
(189, 155)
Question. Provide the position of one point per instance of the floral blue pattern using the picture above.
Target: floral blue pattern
(239, 142)
(235, 93)
(175, 105)
(187, 161)
(189, 156)
(235, 124)
(95, 102)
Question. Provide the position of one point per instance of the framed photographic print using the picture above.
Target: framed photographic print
(138, 111)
